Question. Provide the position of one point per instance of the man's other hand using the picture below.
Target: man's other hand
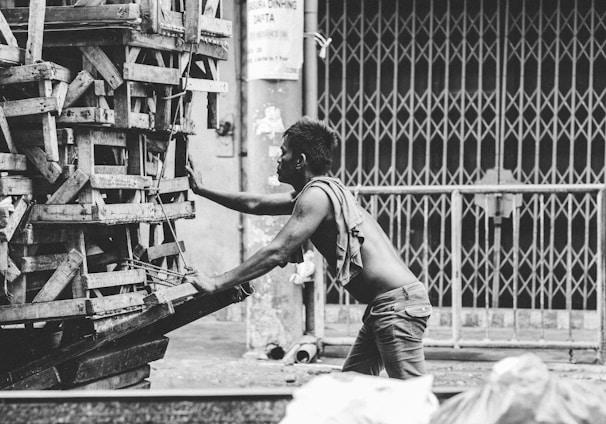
(195, 178)
(203, 283)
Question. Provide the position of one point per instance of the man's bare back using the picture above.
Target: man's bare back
(383, 268)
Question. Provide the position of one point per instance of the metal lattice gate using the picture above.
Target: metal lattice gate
(436, 93)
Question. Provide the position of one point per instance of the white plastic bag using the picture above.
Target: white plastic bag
(521, 390)
(351, 398)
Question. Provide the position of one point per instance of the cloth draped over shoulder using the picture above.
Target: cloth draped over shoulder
(348, 220)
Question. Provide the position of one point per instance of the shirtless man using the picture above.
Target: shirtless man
(367, 264)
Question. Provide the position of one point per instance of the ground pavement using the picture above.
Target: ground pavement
(211, 354)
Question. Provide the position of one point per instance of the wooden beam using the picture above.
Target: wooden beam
(111, 169)
(6, 233)
(103, 64)
(41, 262)
(13, 162)
(78, 87)
(32, 106)
(11, 56)
(215, 26)
(49, 128)
(125, 182)
(6, 32)
(125, 379)
(60, 93)
(102, 137)
(35, 31)
(198, 84)
(191, 18)
(69, 351)
(44, 234)
(164, 250)
(208, 46)
(61, 15)
(6, 132)
(42, 71)
(210, 8)
(69, 189)
(44, 380)
(16, 186)
(175, 295)
(86, 115)
(151, 74)
(44, 311)
(174, 185)
(49, 170)
(101, 280)
(116, 303)
(113, 214)
(60, 278)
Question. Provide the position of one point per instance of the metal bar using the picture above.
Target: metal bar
(542, 244)
(486, 268)
(463, 343)
(481, 189)
(601, 287)
(456, 217)
(568, 293)
(516, 265)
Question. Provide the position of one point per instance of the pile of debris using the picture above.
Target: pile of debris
(95, 104)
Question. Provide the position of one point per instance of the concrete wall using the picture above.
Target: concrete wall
(213, 238)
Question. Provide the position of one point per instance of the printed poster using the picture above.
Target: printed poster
(275, 39)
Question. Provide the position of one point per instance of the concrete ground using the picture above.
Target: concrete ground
(211, 354)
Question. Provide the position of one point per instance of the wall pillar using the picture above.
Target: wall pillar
(275, 311)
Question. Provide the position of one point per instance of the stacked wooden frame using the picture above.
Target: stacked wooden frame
(95, 113)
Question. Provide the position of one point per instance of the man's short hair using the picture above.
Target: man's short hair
(316, 140)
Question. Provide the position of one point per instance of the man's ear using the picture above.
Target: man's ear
(301, 161)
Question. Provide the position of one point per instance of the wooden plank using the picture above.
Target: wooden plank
(41, 262)
(44, 380)
(49, 128)
(11, 56)
(49, 170)
(101, 280)
(113, 359)
(59, 15)
(174, 185)
(210, 8)
(60, 278)
(102, 137)
(32, 106)
(86, 115)
(111, 169)
(13, 270)
(42, 71)
(29, 138)
(35, 31)
(137, 89)
(13, 162)
(164, 250)
(6, 233)
(6, 32)
(103, 64)
(78, 87)
(208, 46)
(215, 26)
(72, 350)
(120, 213)
(69, 189)
(118, 303)
(119, 381)
(60, 93)
(175, 295)
(126, 182)
(5, 132)
(45, 311)
(192, 14)
(151, 74)
(198, 84)
(16, 186)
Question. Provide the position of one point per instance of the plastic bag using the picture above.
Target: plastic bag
(520, 390)
(351, 398)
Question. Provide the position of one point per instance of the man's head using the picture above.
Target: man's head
(313, 140)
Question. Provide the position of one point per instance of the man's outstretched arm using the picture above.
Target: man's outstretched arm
(252, 203)
(309, 212)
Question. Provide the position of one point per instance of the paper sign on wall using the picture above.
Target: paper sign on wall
(275, 39)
